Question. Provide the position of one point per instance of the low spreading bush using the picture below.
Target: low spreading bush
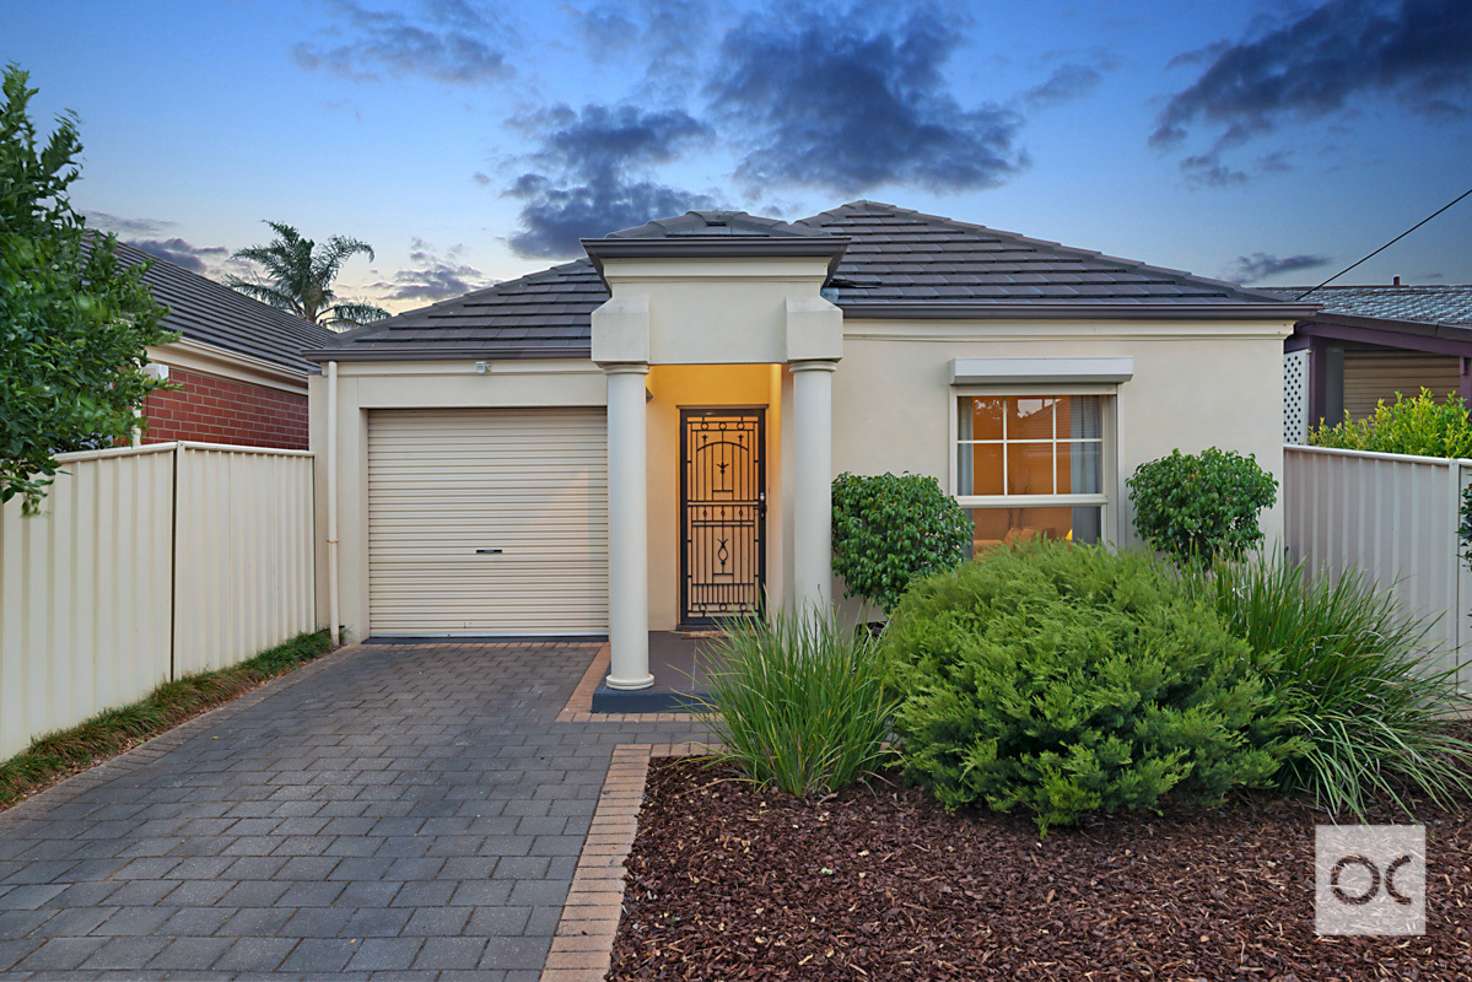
(1369, 710)
(798, 703)
(1196, 507)
(1067, 679)
(890, 529)
(1410, 425)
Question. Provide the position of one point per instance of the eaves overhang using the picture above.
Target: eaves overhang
(1032, 310)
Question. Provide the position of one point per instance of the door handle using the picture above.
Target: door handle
(488, 552)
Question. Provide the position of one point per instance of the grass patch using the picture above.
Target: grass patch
(57, 755)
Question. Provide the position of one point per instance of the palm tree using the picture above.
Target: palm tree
(298, 278)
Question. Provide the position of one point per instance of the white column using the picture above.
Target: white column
(628, 529)
(812, 499)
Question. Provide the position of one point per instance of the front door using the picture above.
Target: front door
(723, 512)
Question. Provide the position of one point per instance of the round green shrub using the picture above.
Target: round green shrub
(892, 528)
(1198, 507)
(1066, 679)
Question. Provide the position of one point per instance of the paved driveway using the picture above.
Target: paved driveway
(414, 812)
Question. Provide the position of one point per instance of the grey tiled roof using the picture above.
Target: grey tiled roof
(1415, 304)
(894, 256)
(542, 314)
(899, 255)
(202, 310)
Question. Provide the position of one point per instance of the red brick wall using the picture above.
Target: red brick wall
(214, 409)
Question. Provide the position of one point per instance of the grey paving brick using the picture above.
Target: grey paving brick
(385, 954)
(367, 893)
(254, 893)
(60, 954)
(196, 921)
(140, 893)
(16, 924)
(425, 893)
(125, 953)
(200, 893)
(515, 953)
(317, 922)
(73, 922)
(308, 894)
(255, 955)
(437, 921)
(135, 921)
(318, 955)
(190, 955)
(13, 951)
(29, 896)
(377, 922)
(448, 953)
(482, 893)
(536, 892)
(498, 921)
(249, 921)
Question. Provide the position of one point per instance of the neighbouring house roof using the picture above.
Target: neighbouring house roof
(202, 310)
(888, 262)
(1451, 305)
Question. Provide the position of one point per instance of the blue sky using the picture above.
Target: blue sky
(473, 142)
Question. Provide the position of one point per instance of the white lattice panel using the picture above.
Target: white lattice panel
(1295, 397)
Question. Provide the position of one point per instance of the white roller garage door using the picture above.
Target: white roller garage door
(488, 521)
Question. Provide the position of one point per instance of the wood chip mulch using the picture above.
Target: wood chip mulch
(729, 882)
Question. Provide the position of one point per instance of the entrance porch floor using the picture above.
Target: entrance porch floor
(679, 668)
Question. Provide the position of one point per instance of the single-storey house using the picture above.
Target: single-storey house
(1369, 342)
(237, 366)
(645, 438)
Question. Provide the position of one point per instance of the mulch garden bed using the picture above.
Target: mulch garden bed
(729, 882)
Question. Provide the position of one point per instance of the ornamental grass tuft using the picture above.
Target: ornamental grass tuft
(1373, 712)
(798, 702)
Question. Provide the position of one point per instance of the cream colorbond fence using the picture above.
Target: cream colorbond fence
(146, 564)
(1395, 518)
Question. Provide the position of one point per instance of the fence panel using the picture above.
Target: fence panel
(85, 592)
(1394, 517)
(243, 577)
(146, 564)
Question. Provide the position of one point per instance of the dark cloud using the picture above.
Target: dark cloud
(455, 41)
(1068, 82)
(1317, 63)
(591, 173)
(1261, 265)
(432, 277)
(851, 103)
(108, 222)
(481, 178)
(196, 259)
(1196, 56)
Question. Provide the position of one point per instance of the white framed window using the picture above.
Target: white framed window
(1033, 461)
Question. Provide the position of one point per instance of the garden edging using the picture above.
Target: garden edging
(582, 949)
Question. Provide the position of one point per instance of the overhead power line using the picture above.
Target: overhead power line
(1388, 244)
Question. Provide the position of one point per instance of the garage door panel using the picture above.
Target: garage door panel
(532, 483)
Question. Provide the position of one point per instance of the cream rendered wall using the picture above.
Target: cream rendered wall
(1195, 385)
(365, 386)
(701, 386)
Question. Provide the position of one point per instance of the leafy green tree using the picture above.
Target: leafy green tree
(75, 324)
(892, 529)
(298, 277)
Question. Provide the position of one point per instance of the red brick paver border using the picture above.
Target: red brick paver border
(582, 949)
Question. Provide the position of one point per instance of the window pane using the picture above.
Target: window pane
(1029, 468)
(1080, 468)
(981, 417)
(996, 526)
(1030, 417)
(980, 468)
(1080, 416)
